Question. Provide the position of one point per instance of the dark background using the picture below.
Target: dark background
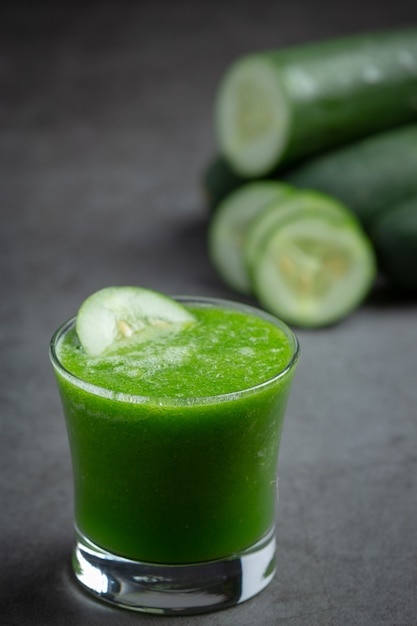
(105, 128)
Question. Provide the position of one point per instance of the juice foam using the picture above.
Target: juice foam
(223, 352)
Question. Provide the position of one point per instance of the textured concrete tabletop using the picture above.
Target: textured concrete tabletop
(106, 125)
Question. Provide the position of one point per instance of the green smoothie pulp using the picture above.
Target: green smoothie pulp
(181, 467)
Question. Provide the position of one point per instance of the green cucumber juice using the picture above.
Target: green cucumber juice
(174, 440)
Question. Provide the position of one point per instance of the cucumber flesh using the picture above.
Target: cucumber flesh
(253, 116)
(229, 226)
(277, 107)
(314, 270)
(276, 212)
(116, 315)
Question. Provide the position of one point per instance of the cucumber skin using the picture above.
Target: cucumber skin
(346, 88)
(394, 235)
(219, 180)
(368, 176)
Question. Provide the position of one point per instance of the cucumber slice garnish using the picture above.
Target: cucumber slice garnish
(119, 314)
(282, 209)
(314, 269)
(230, 223)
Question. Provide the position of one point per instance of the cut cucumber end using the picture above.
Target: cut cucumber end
(314, 270)
(252, 116)
(118, 314)
(230, 224)
(287, 208)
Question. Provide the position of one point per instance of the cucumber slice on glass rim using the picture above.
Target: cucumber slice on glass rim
(229, 226)
(118, 314)
(314, 269)
(279, 210)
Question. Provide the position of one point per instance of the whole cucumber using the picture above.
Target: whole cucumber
(369, 176)
(279, 106)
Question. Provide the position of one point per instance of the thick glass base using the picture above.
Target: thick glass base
(174, 589)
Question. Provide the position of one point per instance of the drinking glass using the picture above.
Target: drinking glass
(175, 498)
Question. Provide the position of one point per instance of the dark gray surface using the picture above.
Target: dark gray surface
(105, 114)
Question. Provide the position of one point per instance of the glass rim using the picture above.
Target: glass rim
(167, 401)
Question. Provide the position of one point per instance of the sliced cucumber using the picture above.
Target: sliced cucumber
(278, 106)
(395, 238)
(230, 223)
(118, 314)
(314, 268)
(276, 212)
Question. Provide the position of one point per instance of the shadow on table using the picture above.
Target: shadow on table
(384, 296)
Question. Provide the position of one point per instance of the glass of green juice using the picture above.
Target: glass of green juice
(174, 449)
